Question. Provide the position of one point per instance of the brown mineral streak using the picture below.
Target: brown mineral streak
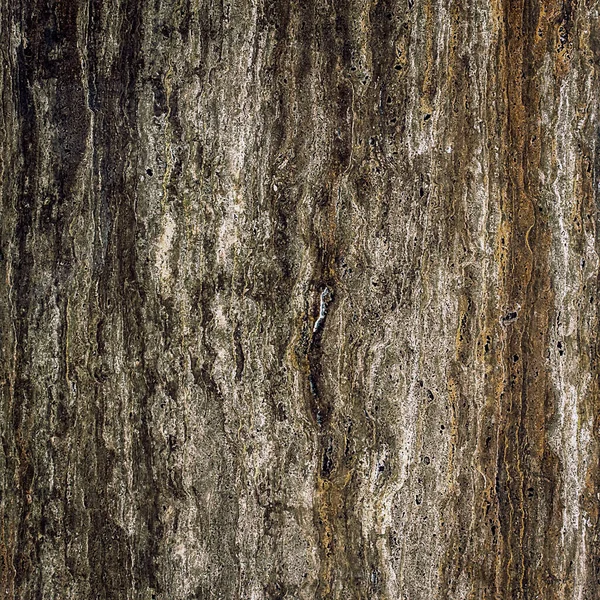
(299, 299)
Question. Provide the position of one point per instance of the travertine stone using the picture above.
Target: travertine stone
(299, 299)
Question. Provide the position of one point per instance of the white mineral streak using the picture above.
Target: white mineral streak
(571, 432)
(163, 249)
(325, 299)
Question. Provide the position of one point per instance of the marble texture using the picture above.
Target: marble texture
(299, 299)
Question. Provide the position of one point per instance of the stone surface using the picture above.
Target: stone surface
(299, 299)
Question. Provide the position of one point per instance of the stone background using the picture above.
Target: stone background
(299, 299)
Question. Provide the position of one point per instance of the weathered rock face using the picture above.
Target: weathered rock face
(299, 299)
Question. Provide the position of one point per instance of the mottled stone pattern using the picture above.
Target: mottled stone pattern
(299, 299)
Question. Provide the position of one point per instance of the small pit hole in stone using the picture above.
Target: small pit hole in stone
(149, 172)
(509, 317)
(427, 460)
(427, 117)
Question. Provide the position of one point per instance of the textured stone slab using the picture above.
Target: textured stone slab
(299, 299)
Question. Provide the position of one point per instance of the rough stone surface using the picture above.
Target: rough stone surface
(299, 299)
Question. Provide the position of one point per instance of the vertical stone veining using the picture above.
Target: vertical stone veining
(299, 299)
